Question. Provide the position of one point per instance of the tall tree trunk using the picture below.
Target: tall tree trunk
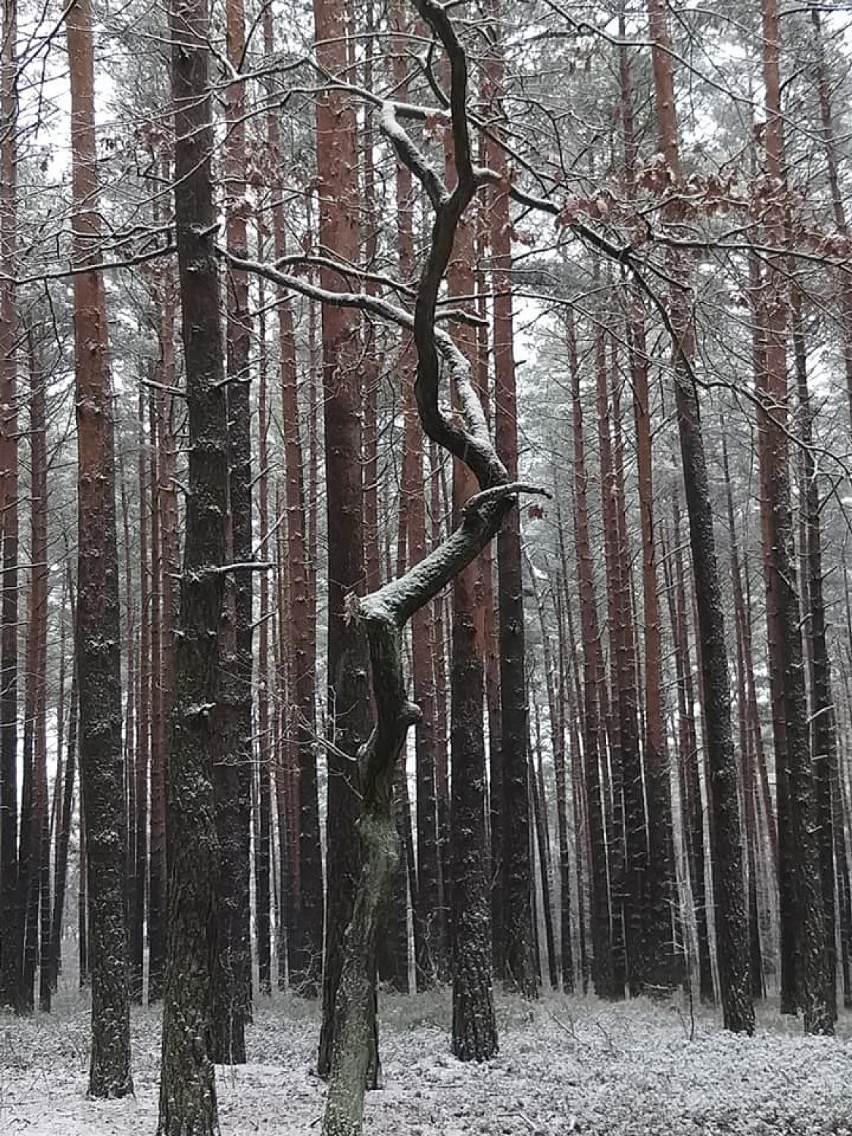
(63, 833)
(747, 741)
(603, 916)
(306, 932)
(11, 944)
(348, 663)
(39, 553)
(542, 846)
(187, 1083)
(98, 647)
(794, 773)
(731, 917)
(628, 803)
(263, 803)
(692, 807)
(143, 725)
(474, 1032)
(232, 769)
(556, 696)
(516, 867)
(822, 719)
(438, 647)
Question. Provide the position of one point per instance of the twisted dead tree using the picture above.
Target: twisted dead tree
(442, 369)
(386, 612)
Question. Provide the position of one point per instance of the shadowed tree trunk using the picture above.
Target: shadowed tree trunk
(306, 929)
(517, 954)
(602, 916)
(474, 1034)
(232, 769)
(98, 648)
(60, 867)
(556, 698)
(187, 1083)
(40, 588)
(11, 944)
(794, 772)
(263, 792)
(747, 742)
(731, 917)
(822, 719)
(692, 805)
(143, 725)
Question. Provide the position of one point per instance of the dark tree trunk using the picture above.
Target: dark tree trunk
(187, 1083)
(542, 841)
(232, 770)
(82, 908)
(731, 917)
(60, 868)
(794, 773)
(40, 588)
(263, 792)
(98, 648)
(517, 955)
(823, 729)
(629, 840)
(656, 759)
(142, 755)
(556, 698)
(692, 805)
(306, 929)
(603, 916)
(11, 944)
(747, 743)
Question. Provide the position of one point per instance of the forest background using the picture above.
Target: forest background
(296, 317)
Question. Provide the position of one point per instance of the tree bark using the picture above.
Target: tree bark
(348, 662)
(822, 719)
(728, 881)
(517, 955)
(603, 915)
(11, 944)
(794, 773)
(187, 1083)
(232, 768)
(98, 646)
(263, 794)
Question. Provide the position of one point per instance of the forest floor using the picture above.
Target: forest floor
(566, 1065)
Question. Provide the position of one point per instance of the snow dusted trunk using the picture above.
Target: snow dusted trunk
(606, 984)
(794, 771)
(187, 1083)
(12, 918)
(662, 969)
(822, 721)
(232, 769)
(727, 860)
(517, 951)
(97, 636)
(262, 802)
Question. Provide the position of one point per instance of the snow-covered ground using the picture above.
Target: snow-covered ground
(565, 1065)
